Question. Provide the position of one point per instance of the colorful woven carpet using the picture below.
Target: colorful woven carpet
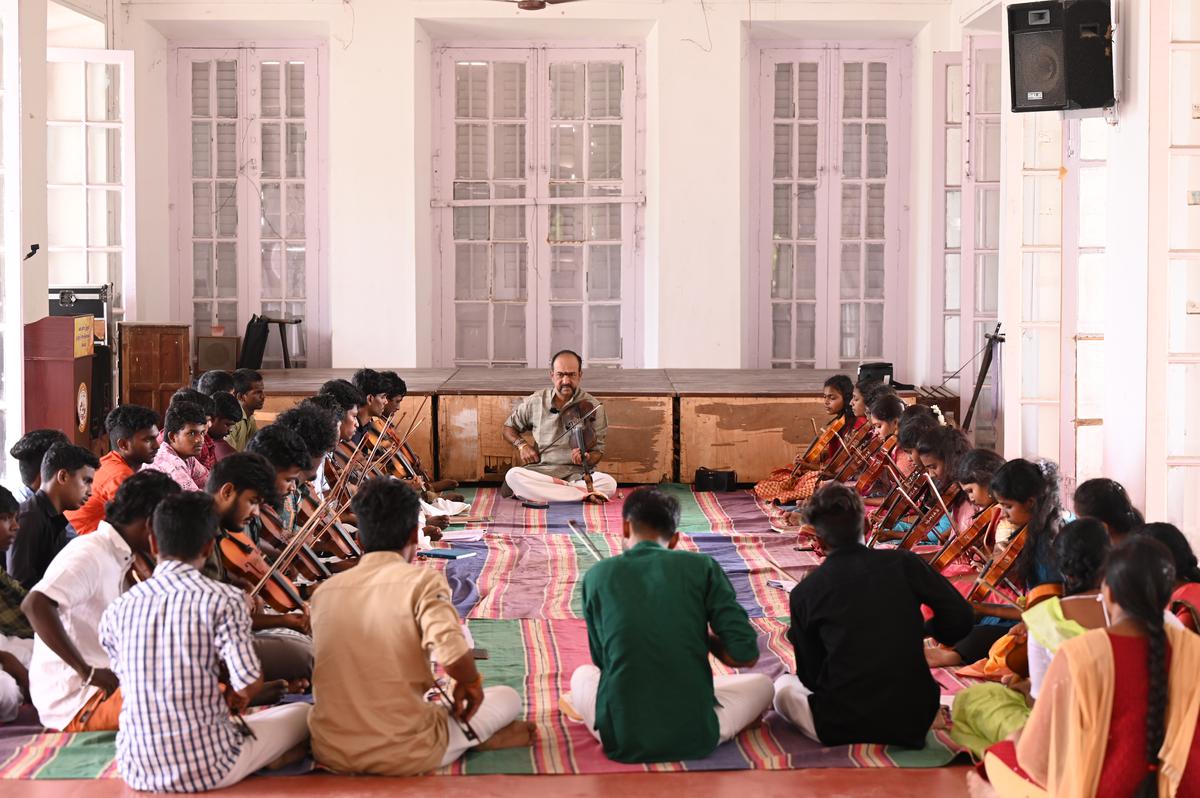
(521, 599)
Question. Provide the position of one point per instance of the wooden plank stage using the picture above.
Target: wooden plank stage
(663, 424)
(474, 403)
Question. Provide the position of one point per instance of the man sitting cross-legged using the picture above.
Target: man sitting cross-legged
(653, 617)
(167, 638)
(374, 628)
(70, 681)
(861, 675)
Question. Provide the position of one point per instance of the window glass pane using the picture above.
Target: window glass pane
(104, 218)
(510, 152)
(1043, 140)
(1039, 363)
(566, 327)
(272, 269)
(509, 272)
(852, 91)
(806, 147)
(1042, 210)
(296, 138)
(954, 94)
(1039, 432)
(202, 210)
(876, 213)
(1183, 497)
(566, 275)
(851, 271)
(202, 267)
(567, 91)
(604, 272)
(271, 215)
(272, 89)
(227, 89)
(806, 271)
(877, 151)
(873, 329)
(782, 215)
(951, 345)
(1184, 293)
(807, 90)
(227, 150)
(1183, 215)
(781, 330)
(1041, 287)
(471, 331)
(987, 283)
(875, 272)
(605, 87)
(65, 216)
(470, 91)
(104, 155)
(104, 267)
(806, 212)
(295, 89)
(227, 270)
(987, 150)
(987, 81)
(272, 148)
(566, 151)
(567, 223)
(1090, 290)
(508, 90)
(953, 219)
(785, 103)
(64, 154)
(471, 272)
(201, 146)
(227, 210)
(604, 222)
(509, 222)
(852, 136)
(1089, 379)
(604, 152)
(64, 91)
(782, 269)
(1093, 207)
(202, 318)
(953, 284)
(508, 331)
(67, 268)
(987, 218)
(784, 141)
(877, 90)
(849, 329)
(201, 88)
(1183, 397)
(604, 331)
(851, 210)
(954, 156)
(806, 331)
(470, 152)
(471, 224)
(296, 202)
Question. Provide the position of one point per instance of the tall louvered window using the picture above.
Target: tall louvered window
(246, 195)
(537, 203)
(829, 240)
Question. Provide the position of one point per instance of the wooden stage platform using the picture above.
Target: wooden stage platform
(663, 423)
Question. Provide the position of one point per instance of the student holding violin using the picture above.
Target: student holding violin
(552, 467)
(239, 485)
(947, 509)
(71, 683)
(1028, 497)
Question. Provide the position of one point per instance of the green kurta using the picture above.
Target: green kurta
(241, 433)
(648, 615)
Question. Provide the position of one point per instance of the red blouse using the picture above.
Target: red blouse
(1125, 758)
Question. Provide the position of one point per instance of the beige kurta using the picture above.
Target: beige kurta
(533, 415)
(374, 629)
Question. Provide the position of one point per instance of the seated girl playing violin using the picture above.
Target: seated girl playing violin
(939, 451)
(1029, 499)
(797, 483)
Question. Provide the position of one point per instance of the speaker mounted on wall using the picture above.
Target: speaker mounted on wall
(216, 352)
(1060, 55)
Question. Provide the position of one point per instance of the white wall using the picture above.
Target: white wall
(380, 136)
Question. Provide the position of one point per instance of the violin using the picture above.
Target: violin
(847, 451)
(306, 564)
(579, 420)
(997, 568)
(904, 499)
(929, 521)
(976, 533)
(878, 466)
(243, 559)
(338, 536)
(811, 459)
(397, 464)
(860, 454)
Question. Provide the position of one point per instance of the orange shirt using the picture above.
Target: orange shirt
(112, 472)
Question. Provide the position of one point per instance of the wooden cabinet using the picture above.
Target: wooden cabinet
(155, 362)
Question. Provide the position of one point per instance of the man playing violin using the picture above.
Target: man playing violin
(552, 465)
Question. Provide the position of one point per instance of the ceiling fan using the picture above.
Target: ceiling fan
(536, 5)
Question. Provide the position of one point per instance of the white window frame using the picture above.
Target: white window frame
(540, 56)
(126, 281)
(830, 54)
(12, 389)
(248, 55)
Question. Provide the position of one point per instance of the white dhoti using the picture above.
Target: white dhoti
(535, 486)
(742, 698)
(444, 507)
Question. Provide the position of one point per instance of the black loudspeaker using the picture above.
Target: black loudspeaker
(102, 389)
(254, 343)
(1060, 55)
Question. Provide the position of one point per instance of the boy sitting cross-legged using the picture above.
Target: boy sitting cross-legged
(653, 617)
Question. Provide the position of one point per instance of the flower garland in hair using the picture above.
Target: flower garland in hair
(937, 412)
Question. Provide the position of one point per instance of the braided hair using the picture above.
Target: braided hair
(1020, 481)
(1140, 575)
(1107, 502)
(1186, 568)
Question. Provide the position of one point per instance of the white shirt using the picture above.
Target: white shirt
(83, 579)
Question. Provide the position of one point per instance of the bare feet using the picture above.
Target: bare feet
(978, 788)
(433, 533)
(595, 498)
(938, 657)
(518, 734)
(440, 521)
(270, 693)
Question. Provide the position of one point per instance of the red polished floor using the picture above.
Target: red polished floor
(892, 783)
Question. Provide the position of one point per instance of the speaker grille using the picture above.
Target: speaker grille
(1040, 70)
(214, 352)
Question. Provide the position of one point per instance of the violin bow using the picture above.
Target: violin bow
(585, 540)
(942, 502)
(572, 427)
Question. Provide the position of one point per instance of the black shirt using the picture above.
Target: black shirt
(41, 534)
(859, 637)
